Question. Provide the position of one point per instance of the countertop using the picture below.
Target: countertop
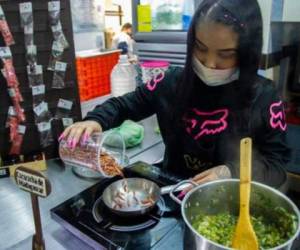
(16, 222)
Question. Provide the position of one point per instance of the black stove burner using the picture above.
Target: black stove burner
(108, 220)
(86, 216)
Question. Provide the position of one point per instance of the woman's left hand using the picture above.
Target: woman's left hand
(215, 173)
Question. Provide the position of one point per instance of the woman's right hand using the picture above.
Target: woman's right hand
(80, 131)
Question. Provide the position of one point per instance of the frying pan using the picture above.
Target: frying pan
(134, 196)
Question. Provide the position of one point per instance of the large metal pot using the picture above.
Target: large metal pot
(223, 196)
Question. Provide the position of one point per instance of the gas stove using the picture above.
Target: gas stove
(87, 217)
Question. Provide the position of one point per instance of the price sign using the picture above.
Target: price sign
(5, 52)
(21, 129)
(44, 126)
(53, 6)
(67, 122)
(38, 90)
(11, 92)
(31, 50)
(41, 108)
(60, 66)
(65, 104)
(25, 7)
(56, 46)
(12, 111)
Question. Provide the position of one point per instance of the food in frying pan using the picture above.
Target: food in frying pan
(129, 199)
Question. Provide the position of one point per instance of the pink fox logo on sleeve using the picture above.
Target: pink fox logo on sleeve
(206, 123)
(277, 119)
(152, 83)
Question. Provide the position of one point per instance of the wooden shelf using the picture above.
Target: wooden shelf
(118, 13)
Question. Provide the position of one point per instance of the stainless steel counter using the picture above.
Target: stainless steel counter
(16, 221)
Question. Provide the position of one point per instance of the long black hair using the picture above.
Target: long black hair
(244, 17)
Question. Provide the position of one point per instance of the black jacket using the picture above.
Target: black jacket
(211, 127)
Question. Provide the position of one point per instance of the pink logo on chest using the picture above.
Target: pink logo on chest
(206, 123)
(277, 119)
(152, 83)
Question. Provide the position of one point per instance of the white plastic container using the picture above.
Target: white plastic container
(91, 155)
(123, 77)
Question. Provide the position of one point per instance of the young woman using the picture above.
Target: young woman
(205, 108)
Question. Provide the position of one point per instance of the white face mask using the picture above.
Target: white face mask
(214, 77)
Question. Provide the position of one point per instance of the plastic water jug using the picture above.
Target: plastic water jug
(123, 77)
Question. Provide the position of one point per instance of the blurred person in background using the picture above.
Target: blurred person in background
(124, 40)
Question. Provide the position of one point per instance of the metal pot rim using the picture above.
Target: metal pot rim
(295, 208)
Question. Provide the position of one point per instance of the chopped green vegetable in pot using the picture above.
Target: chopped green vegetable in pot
(220, 228)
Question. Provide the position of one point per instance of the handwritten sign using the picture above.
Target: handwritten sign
(37, 185)
(32, 181)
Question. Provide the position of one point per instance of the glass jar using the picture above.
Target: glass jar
(93, 154)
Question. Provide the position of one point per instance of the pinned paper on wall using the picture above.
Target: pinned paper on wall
(144, 18)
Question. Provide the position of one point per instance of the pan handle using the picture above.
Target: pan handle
(173, 196)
